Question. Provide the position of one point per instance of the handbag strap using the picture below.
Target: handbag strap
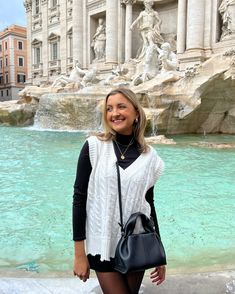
(120, 203)
(120, 197)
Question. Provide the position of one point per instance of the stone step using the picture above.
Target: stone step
(201, 283)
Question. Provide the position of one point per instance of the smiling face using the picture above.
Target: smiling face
(120, 114)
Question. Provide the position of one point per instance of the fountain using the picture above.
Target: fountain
(179, 104)
(68, 111)
(199, 99)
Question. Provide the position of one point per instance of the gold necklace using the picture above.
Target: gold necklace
(122, 153)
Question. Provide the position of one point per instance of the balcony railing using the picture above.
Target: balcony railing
(37, 66)
(54, 9)
(54, 63)
(37, 69)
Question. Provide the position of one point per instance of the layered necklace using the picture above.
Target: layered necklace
(124, 152)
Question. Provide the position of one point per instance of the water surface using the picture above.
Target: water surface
(194, 199)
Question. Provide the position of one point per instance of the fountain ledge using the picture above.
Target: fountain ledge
(160, 139)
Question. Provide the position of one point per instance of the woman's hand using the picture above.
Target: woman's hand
(81, 267)
(158, 274)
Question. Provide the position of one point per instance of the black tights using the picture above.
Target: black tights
(116, 283)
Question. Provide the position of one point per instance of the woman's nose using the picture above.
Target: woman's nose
(115, 111)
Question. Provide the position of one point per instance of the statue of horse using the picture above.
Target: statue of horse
(75, 76)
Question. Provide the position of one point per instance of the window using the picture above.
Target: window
(1, 63)
(1, 80)
(6, 78)
(37, 48)
(20, 45)
(37, 55)
(20, 78)
(21, 61)
(53, 3)
(37, 7)
(0, 47)
(70, 46)
(6, 45)
(54, 43)
(70, 43)
(7, 93)
(2, 93)
(54, 53)
(6, 61)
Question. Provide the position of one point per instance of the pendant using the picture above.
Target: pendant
(122, 157)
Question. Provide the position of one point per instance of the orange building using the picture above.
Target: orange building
(13, 61)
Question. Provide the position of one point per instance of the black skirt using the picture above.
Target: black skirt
(100, 266)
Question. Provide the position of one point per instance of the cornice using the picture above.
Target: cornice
(126, 2)
(28, 5)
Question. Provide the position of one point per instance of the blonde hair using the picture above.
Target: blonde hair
(138, 126)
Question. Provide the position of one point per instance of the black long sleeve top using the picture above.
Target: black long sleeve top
(84, 169)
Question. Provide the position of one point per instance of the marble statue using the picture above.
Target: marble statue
(149, 25)
(227, 11)
(75, 76)
(167, 57)
(89, 78)
(155, 57)
(150, 66)
(118, 75)
(99, 41)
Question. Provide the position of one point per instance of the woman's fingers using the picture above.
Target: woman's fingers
(81, 268)
(158, 275)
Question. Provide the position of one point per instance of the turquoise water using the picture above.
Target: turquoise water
(195, 201)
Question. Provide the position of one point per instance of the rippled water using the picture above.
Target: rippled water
(195, 201)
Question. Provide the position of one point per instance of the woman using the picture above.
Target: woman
(95, 205)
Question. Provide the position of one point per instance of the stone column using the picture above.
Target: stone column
(77, 15)
(181, 26)
(215, 24)
(112, 31)
(45, 47)
(63, 36)
(128, 32)
(195, 24)
(28, 8)
(208, 26)
(121, 33)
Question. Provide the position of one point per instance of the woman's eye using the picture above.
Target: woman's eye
(108, 109)
(122, 106)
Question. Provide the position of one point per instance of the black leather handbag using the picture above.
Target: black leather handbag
(140, 247)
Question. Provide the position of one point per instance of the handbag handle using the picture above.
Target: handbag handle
(131, 224)
(120, 198)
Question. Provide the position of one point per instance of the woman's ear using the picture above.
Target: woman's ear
(137, 115)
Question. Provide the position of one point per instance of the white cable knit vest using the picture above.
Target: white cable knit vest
(102, 229)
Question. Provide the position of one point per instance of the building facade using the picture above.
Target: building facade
(13, 61)
(62, 31)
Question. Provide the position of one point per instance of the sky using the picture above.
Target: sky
(12, 12)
